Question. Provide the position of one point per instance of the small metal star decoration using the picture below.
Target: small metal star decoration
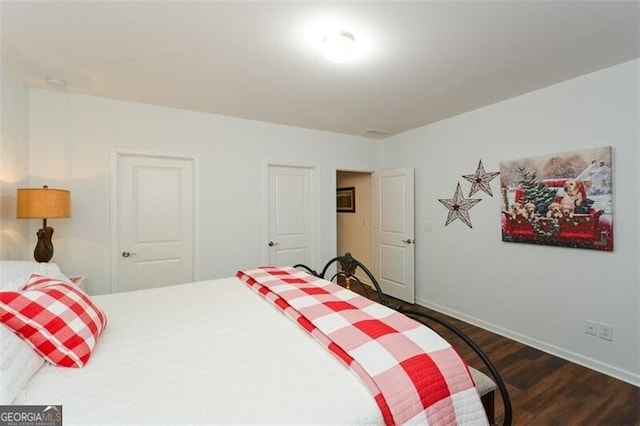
(459, 207)
(480, 180)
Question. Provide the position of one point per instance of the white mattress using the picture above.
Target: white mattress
(206, 352)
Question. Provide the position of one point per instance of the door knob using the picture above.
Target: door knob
(271, 244)
(408, 241)
(127, 254)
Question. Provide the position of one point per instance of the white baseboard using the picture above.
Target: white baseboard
(601, 367)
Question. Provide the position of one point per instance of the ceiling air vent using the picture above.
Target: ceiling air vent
(376, 133)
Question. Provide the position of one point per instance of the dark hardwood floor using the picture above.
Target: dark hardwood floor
(545, 390)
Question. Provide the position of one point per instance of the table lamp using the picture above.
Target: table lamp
(43, 203)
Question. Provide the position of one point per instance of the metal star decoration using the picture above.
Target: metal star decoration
(459, 207)
(480, 180)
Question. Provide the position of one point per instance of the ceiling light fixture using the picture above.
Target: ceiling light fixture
(56, 81)
(339, 47)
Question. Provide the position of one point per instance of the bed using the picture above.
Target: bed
(213, 351)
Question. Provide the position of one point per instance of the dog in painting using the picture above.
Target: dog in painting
(573, 193)
(516, 210)
(554, 210)
(567, 210)
(529, 210)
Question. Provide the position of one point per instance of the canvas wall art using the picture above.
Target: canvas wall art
(561, 200)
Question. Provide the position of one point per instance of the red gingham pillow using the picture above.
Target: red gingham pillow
(56, 318)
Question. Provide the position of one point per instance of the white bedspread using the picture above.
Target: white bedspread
(206, 352)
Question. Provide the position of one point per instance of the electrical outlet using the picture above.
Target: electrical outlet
(605, 331)
(591, 327)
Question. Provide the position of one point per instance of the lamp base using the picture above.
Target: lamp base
(44, 248)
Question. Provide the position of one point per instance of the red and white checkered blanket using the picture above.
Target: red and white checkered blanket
(415, 376)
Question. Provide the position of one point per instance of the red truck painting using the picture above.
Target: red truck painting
(575, 213)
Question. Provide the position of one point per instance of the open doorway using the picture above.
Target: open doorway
(379, 231)
(354, 225)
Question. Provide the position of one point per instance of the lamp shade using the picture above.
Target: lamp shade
(43, 203)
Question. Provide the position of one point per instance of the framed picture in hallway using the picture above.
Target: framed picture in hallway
(346, 200)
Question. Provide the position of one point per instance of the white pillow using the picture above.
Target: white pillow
(14, 274)
(18, 361)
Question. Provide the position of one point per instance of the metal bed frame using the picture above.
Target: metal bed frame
(349, 265)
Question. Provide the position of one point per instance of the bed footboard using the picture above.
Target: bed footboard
(348, 267)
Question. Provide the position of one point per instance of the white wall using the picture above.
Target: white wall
(72, 139)
(537, 294)
(13, 165)
(540, 295)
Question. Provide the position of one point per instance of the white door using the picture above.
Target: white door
(393, 228)
(155, 218)
(292, 216)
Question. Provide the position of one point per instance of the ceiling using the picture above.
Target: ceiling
(420, 61)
